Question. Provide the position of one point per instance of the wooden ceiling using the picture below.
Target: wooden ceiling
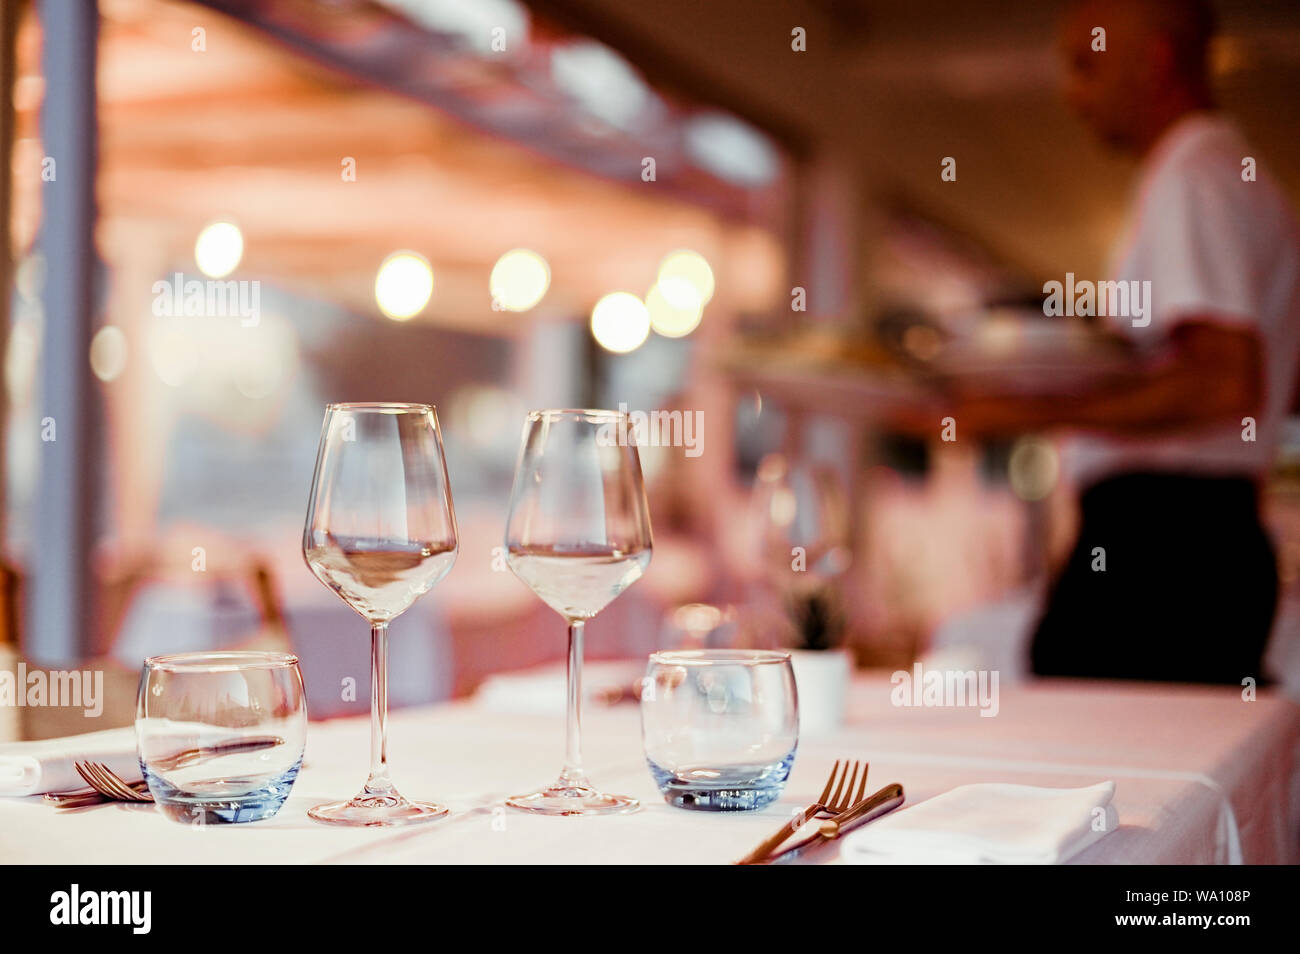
(248, 131)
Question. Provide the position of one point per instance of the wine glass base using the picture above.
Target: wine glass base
(574, 800)
(377, 811)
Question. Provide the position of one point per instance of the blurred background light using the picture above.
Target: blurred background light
(620, 322)
(691, 267)
(218, 249)
(171, 352)
(260, 368)
(488, 416)
(602, 83)
(108, 352)
(1033, 468)
(20, 360)
(403, 285)
(731, 148)
(519, 280)
(675, 307)
(471, 22)
(29, 277)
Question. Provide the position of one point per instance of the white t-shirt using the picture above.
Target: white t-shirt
(1211, 245)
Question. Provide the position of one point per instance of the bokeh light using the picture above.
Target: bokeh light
(218, 249)
(108, 353)
(620, 322)
(693, 268)
(1033, 468)
(20, 360)
(403, 285)
(260, 363)
(675, 307)
(171, 352)
(519, 280)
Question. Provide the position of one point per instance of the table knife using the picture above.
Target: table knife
(869, 809)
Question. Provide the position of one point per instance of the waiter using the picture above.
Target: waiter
(1173, 576)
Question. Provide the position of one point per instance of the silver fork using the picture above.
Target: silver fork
(108, 783)
(846, 795)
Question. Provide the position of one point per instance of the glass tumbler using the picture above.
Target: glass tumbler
(720, 727)
(221, 734)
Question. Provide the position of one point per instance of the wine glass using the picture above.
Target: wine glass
(578, 535)
(380, 533)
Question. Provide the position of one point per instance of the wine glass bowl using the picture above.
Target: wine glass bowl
(578, 535)
(381, 532)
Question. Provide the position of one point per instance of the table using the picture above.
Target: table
(1201, 777)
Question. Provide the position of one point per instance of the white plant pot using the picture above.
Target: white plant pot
(821, 677)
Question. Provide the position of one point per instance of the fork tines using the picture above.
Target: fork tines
(108, 783)
(850, 789)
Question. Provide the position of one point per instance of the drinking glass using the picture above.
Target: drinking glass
(380, 533)
(220, 734)
(578, 535)
(720, 727)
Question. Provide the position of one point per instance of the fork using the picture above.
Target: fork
(866, 810)
(83, 797)
(182, 759)
(108, 783)
(844, 798)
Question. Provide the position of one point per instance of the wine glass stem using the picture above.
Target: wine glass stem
(379, 780)
(573, 774)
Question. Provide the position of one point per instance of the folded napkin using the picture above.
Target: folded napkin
(30, 768)
(542, 690)
(989, 824)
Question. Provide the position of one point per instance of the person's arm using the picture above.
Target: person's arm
(1209, 373)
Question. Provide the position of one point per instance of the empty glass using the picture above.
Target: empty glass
(720, 727)
(221, 734)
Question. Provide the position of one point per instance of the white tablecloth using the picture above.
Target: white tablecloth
(1201, 777)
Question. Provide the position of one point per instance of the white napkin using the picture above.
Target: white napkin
(30, 768)
(542, 690)
(989, 823)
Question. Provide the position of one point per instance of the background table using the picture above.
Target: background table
(1201, 777)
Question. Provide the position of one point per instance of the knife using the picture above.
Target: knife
(870, 808)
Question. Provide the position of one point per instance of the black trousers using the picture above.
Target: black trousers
(1188, 591)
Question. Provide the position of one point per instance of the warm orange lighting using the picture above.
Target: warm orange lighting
(218, 249)
(519, 280)
(108, 353)
(675, 307)
(691, 267)
(403, 285)
(620, 322)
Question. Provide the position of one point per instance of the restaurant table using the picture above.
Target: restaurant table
(1201, 776)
